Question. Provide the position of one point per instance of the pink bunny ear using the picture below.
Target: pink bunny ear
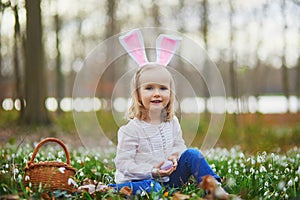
(133, 43)
(166, 45)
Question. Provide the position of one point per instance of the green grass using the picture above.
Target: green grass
(257, 160)
(260, 176)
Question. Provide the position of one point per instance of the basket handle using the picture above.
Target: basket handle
(50, 140)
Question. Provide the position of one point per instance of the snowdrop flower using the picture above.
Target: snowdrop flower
(61, 154)
(296, 179)
(267, 184)
(231, 182)
(287, 170)
(81, 174)
(62, 170)
(16, 171)
(7, 166)
(290, 183)
(281, 185)
(236, 172)
(20, 178)
(87, 159)
(262, 169)
(27, 178)
(242, 155)
(72, 182)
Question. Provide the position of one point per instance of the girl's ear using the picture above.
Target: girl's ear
(166, 45)
(133, 43)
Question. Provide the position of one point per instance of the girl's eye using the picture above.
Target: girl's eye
(164, 88)
(148, 88)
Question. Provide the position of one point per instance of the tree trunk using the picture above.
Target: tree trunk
(112, 28)
(17, 67)
(232, 72)
(35, 83)
(59, 75)
(155, 14)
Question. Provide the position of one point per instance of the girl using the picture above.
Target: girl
(151, 152)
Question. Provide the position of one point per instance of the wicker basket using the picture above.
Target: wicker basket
(52, 175)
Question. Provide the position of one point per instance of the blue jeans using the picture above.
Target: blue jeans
(191, 163)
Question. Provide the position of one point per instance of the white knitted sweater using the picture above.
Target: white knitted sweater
(142, 145)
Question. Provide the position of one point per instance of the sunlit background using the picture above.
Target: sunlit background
(256, 38)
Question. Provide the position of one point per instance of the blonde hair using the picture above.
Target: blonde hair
(137, 109)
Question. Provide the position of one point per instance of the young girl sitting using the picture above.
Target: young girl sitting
(151, 152)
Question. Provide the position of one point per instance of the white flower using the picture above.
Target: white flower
(258, 159)
(236, 172)
(262, 169)
(20, 177)
(27, 178)
(290, 183)
(287, 170)
(61, 154)
(143, 193)
(267, 184)
(72, 182)
(252, 161)
(81, 174)
(16, 171)
(296, 179)
(281, 185)
(231, 182)
(242, 155)
(62, 170)
(6, 166)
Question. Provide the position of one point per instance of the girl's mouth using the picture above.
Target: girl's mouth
(156, 101)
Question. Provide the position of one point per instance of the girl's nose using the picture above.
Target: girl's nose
(156, 92)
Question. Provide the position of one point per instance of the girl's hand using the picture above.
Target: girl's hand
(174, 159)
(161, 172)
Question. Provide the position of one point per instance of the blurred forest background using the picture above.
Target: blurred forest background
(255, 45)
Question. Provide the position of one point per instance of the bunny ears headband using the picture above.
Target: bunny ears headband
(166, 45)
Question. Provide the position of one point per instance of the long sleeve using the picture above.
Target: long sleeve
(128, 167)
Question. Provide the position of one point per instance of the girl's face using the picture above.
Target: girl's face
(154, 88)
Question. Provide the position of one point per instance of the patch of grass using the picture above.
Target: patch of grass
(262, 175)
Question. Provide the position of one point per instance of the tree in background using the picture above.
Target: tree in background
(17, 57)
(2, 8)
(285, 78)
(232, 72)
(35, 111)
